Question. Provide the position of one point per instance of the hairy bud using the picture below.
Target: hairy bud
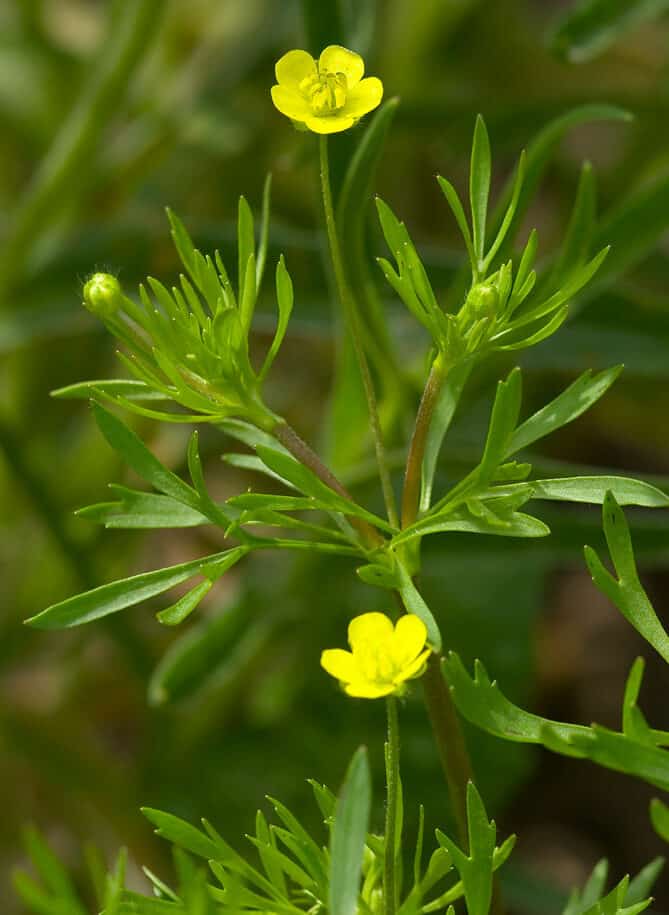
(103, 294)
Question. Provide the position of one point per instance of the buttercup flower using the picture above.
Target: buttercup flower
(382, 657)
(325, 96)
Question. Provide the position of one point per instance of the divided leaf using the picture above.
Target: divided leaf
(626, 592)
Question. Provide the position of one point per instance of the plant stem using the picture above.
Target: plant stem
(59, 173)
(350, 310)
(390, 884)
(307, 456)
(446, 726)
(414, 465)
(450, 742)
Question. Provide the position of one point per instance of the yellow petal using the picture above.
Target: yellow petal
(408, 639)
(290, 103)
(369, 628)
(363, 689)
(340, 664)
(336, 59)
(364, 97)
(415, 669)
(334, 123)
(293, 67)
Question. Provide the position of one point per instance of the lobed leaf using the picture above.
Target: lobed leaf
(127, 592)
(626, 592)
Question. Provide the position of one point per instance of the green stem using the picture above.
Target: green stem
(414, 465)
(351, 316)
(450, 742)
(446, 726)
(390, 882)
(59, 173)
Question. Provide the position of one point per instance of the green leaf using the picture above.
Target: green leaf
(626, 592)
(591, 26)
(133, 450)
(591, 490)
(261, 257)
(453, 200)
(567, 406)
(659, 817)
(142, 510)
(502, 424)
(475, 868)
(581, 900)
(115, 885)
(284, 298)
(482, 703)
(508, 216)
(245, 244)
(129, 388)
(183, 243)
(348, 836)
(641, 885)
(414, 603)
(447, 402)
(107, 599)
(516, 524)
(181, 833)
(178, 612)
(479, 185)
(212, 649)
(377, 575)
(51, 872)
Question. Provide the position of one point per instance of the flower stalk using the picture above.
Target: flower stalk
(390, 882)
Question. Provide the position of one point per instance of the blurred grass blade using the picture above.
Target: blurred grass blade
(592, 26)
(577, 241)
(348, 836)
(633, 229)
(539, 152)
(196, 656)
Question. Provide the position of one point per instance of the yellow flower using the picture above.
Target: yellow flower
(325, 96)
(382, 657)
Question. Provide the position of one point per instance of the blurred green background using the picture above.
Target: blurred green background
(167, 103)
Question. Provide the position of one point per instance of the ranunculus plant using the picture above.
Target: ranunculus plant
(187, 355)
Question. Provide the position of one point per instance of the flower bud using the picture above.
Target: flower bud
(103, 294)
(482, 301)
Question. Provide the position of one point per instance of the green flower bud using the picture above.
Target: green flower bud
(103, 295)
(482, 301)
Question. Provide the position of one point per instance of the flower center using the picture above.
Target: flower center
(325, 92)
(376, 664)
